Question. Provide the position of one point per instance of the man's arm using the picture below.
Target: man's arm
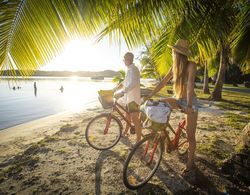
(163, 82)
(118, 86)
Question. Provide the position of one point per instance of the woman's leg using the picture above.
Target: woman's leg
(191, 120)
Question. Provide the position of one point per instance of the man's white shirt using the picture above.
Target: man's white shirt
(132, 85)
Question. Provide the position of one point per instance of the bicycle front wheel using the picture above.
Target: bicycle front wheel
(103, 132)
(183, 143)
(142, 162)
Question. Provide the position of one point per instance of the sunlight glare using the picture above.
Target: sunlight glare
(87, 55)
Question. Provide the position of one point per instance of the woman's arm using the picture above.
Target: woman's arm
(190, 85)
(163, 82)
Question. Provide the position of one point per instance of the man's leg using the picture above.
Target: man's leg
(127, 126)
(136, 121)
(134, 111)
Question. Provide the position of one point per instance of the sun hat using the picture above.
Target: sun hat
(181, 46)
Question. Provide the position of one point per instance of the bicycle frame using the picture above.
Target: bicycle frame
(174, 141)
(116, 108)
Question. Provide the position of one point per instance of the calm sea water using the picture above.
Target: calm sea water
(25, 104)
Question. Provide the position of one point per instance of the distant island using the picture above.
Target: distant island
(92, 74)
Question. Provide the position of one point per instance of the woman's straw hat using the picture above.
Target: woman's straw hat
(181, 46)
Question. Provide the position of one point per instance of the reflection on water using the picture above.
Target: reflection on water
(43, 96)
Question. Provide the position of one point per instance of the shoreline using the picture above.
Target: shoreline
(62, 162)
(16, 139)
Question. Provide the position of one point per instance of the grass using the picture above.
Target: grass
(236, 121)
(214, 149)
(62, 150)
(18, 166)
(123, 152)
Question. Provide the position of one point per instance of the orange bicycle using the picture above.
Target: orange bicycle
(144, 159)
(104, 131)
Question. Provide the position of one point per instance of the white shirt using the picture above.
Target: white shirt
(132, 85)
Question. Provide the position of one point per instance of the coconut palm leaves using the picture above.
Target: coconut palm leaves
(120, 77)
(241, 35)
(33, 32)
(148, 68)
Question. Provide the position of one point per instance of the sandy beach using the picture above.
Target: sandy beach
(16, 139)
(51, 156)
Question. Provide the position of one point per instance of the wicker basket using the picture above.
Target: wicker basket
(106, 98)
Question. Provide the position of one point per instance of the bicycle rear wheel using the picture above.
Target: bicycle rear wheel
(103, 132)
(140, 164)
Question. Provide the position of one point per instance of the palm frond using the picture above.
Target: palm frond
(33, 32)
(241, 35)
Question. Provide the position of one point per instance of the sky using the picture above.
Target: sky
(90, 55)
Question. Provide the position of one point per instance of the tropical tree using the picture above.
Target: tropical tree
(120, 77)
(32, 32)
(205, 80)
(210, 26)
(148, 68)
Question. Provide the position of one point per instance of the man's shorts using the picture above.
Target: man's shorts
(133, 107)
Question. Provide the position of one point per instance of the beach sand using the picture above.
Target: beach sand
(51, 156)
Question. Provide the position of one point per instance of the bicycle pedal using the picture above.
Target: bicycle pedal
(132, 130)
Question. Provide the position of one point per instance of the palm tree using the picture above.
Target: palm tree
(139, 22)
(148, 68)
(120, 77)
(205, 84)
(32, 32)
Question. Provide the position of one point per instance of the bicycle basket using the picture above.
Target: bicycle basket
(154, 125)
(157, 114)
(106, 98)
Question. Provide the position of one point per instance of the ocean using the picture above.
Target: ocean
(51, 96)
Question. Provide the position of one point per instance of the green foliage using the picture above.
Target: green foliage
(148, 68)
(241, 34)
(120, 77)
(213, 65)
(233, 75)
(215, 149)
(33, 32)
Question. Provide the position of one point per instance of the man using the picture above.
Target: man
(132, 94)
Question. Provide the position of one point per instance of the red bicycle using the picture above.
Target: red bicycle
(104, 131)
(144, 159)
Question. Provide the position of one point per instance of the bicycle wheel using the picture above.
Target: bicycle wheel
(183, 143)
(140, 164)
(103, 132)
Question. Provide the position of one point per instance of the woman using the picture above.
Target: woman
(183, 74)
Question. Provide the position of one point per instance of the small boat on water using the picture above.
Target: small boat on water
(97, 78)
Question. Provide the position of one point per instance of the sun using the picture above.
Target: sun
(87, 55)
(77, 54)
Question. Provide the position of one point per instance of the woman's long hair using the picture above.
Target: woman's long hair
(180, 63)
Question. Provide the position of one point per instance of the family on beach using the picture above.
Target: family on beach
(183, 74)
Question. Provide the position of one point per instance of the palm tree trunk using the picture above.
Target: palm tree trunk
(205, 85)
(216, 94)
